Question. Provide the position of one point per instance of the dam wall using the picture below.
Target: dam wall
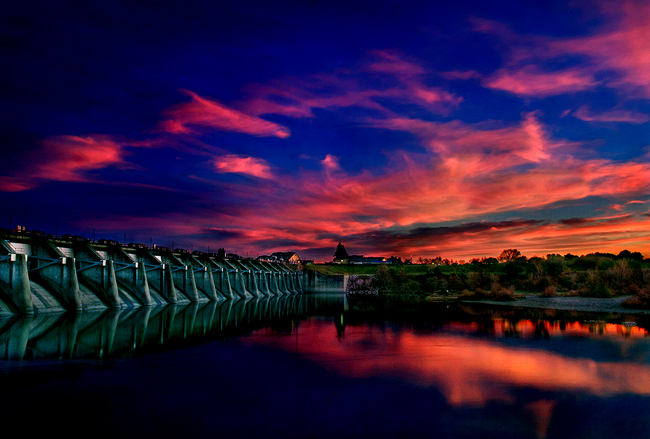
(43, 275)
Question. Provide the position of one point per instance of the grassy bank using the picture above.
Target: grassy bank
(595, 275)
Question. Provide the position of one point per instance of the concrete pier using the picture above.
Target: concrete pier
(14, 283)
(43, 275)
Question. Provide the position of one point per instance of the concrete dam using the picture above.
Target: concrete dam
(46, 275)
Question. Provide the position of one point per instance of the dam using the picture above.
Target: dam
(42, 274)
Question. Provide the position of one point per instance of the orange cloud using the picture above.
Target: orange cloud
(253, 166)
(207, 113)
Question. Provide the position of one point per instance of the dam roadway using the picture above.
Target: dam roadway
(45, 275)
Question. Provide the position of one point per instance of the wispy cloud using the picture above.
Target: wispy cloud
(531, 81)
(204, 113)
(398, 81)
(619, 46)
(613, 115)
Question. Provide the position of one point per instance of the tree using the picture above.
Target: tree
(221, 253)
(509, 255)
(340, 252)
(626, 254)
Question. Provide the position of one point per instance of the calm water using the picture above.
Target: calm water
(323, 367)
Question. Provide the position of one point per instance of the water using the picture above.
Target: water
(323, 367)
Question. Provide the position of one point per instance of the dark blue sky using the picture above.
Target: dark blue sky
(294, 125)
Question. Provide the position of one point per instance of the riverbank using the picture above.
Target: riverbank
(586, 304)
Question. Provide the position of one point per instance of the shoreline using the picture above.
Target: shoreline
(586, 304)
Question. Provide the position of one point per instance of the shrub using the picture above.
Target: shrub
(502, 293)
(549, 291)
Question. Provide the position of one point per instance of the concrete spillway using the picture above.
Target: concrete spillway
(39, 275)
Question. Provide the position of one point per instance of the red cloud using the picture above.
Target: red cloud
(15, 184)
(207, 113)
(243, 165)
(614, 115)
(68, 158)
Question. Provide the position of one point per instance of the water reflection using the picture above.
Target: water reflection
(317, 366)
(116, 333)
(469, 370)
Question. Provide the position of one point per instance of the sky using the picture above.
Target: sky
(414, 129)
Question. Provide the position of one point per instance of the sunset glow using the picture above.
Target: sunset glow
(412, 129)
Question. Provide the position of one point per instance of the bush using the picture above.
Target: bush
(549, 291)
(502, 294)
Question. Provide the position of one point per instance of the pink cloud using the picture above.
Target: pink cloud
(614, 115)
(622, 48)
(331, 163)
(236, 164)
(618, 46)
(402, 81)
(207, 113)
(531, 81)
(463, 75)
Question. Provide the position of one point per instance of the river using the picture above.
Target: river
(317, 366)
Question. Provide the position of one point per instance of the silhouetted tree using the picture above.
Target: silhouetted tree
(340, 252)
(221, 253)
(509, 254)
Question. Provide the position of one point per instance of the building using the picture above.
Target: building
(284, 257)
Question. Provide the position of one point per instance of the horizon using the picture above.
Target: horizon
(395, 128)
